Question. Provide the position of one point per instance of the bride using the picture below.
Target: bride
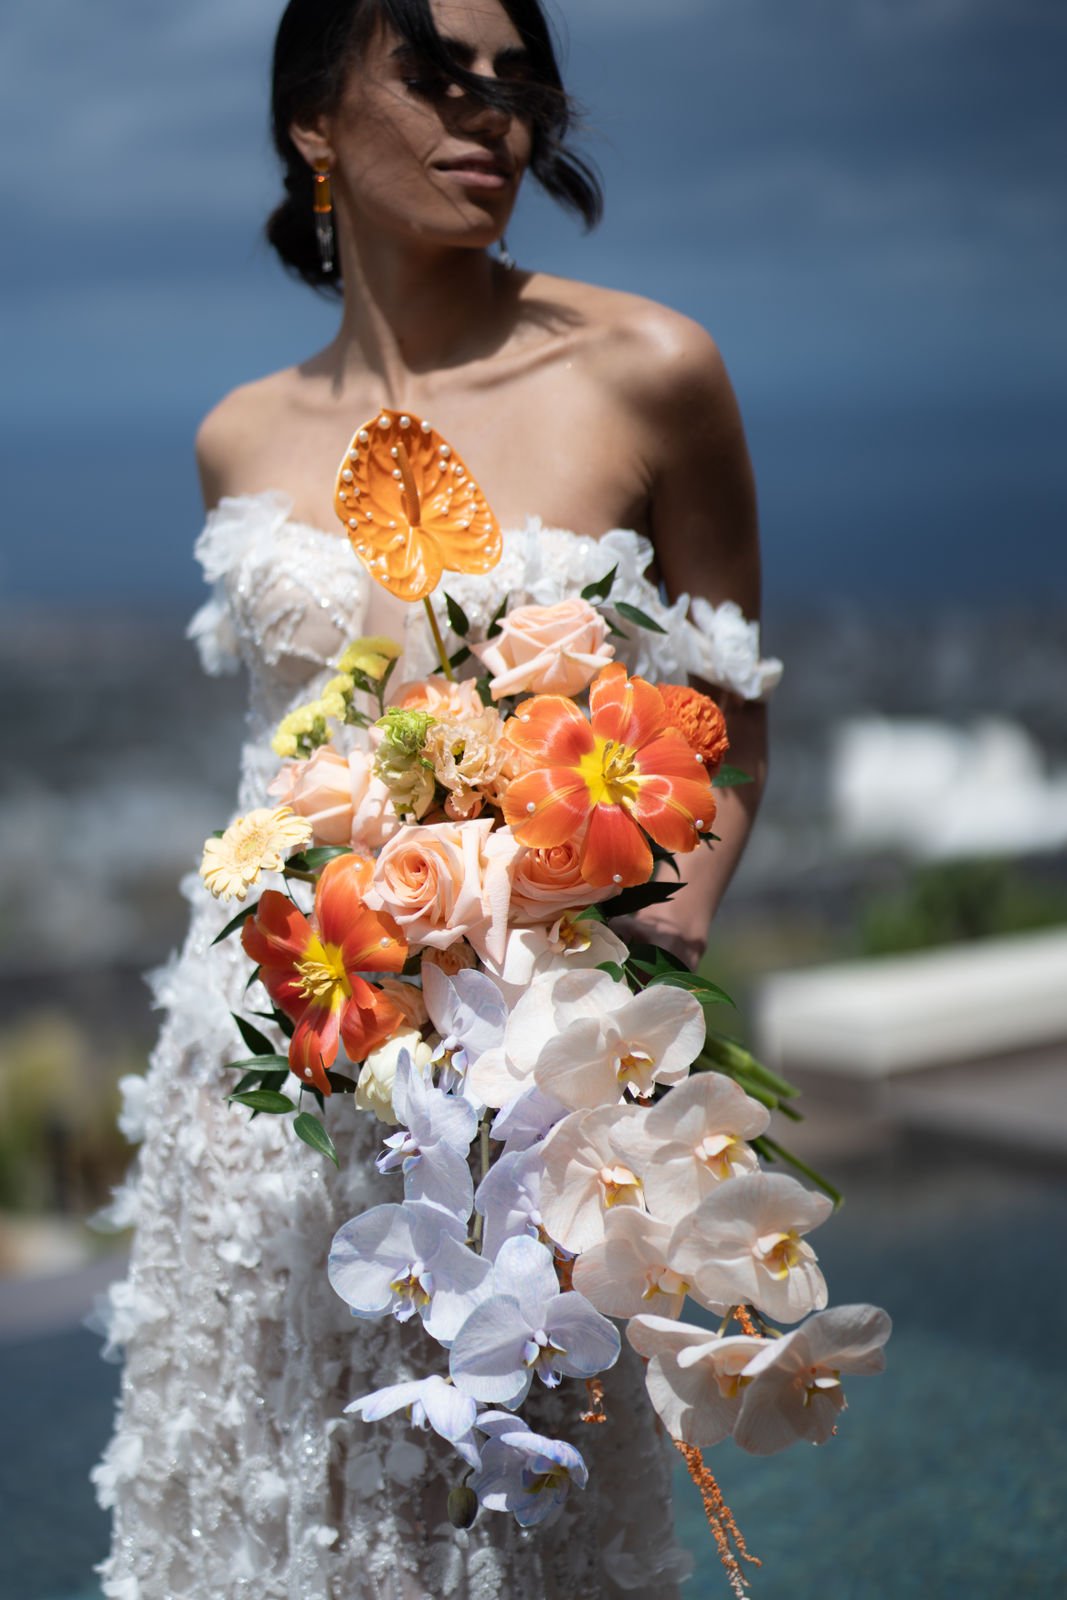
(233, 1472)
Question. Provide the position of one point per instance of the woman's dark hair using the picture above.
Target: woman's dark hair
(316, 43)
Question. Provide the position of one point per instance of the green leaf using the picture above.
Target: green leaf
(457, 618)
(237, 922)
(616, 633)
(730, 778)
(632, 614)
(460, 657)
(257, 1042)
(262, 1080)
(637, 898)
(252, 978)
(494, 625)
(665, 858)
(314, 860)
(708, 993)
(312, 1131)
(613, 970)
(340, 1084)
(601, 589)
(268, 1100)
(590, 914)
(269, 1063)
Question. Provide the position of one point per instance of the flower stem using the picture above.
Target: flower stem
(442, 654)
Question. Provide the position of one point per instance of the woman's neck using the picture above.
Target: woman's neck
(410, 311)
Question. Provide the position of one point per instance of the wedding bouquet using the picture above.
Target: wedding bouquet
(580, 1153)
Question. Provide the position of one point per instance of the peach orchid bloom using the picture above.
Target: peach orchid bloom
(624, 774)
(312, 969)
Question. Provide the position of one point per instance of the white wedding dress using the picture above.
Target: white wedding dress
(232, 1473)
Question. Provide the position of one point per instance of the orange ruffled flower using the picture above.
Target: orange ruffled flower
(411, 507)
(312, 970)
(699, 721)
(624, 774)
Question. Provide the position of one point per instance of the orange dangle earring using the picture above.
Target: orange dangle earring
(323, 210)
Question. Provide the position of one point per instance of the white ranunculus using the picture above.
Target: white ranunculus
(374, 1086)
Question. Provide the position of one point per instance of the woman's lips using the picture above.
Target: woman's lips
(476, 176)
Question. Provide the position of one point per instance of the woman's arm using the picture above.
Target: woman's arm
(704, 527)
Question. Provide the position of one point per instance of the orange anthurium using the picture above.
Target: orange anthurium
(311, 970)
(411, 507)
(623, 774)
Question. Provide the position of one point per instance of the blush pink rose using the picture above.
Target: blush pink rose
(546, 883)
(446, 881)
(546, 649)
(340, 796)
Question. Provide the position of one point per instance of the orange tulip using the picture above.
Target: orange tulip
(312, 970)
(624, 774)
(411, 507)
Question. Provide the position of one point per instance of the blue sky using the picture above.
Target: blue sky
(862, 199)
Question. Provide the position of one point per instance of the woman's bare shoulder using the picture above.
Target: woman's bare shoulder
(232, 441)
(644, 351)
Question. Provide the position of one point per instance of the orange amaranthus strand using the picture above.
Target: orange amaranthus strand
(624, 774)
(721, 1519)
(312, 970)
(595, 1390)
(411, 507)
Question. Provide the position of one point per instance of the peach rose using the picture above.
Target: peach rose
(448, 880)
(345, 803)
(548, 882)
(443, 700)
(407, 997)
(546, 649)
(457, 958)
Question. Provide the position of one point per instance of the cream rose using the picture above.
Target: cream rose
(546, 649)
(548, 882)
(345, 803)
(374, 1086)
(448, 880)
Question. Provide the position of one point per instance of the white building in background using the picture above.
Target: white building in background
(937, 791)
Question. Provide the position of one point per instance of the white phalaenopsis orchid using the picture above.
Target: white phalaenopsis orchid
(565, 946)
(591, 1165)
(528, 1325)
(743, 1245)
(524, 1472)
(431, 1403)
(629, 1271)
(793, 1385)
(431, 1148)
(587, 1040)
(470, 1013)
(405, 1260)
(509, 1198)
(699, 1135)
(694, 1379)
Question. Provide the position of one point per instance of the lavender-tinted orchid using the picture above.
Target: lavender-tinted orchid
(525, 1472)
(525, 1326)
(470, 1014)
(431, 1403)
(509, 1198)
(384, 1260)
(526, 1119)
(431, 1147)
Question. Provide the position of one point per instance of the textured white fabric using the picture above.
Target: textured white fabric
(232, 1473)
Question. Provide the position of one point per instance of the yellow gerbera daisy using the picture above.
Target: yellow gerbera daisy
(257, 843)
